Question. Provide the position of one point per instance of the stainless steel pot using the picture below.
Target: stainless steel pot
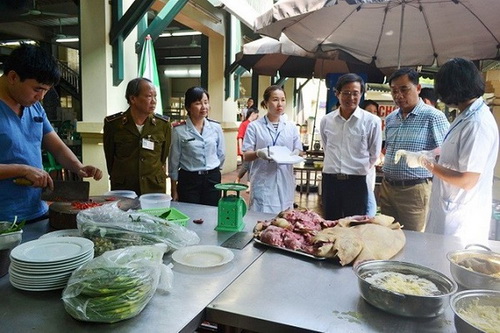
(471, 279)
(403, 304)
(463, 299)
(8, 241)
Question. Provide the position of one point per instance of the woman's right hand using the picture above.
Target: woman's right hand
(264, 154)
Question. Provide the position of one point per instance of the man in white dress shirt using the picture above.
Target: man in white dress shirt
(352, 140)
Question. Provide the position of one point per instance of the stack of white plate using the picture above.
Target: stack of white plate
(47, 263)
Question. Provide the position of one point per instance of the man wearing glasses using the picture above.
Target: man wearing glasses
(352, 140)
(412, 130)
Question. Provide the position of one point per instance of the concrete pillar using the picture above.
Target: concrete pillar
(493, 86)
(99, 97)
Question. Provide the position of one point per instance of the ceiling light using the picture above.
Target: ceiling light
(17, 43)
(180, 33)
(182, 57)
(67, 40)
(182, 71)
(176, 72)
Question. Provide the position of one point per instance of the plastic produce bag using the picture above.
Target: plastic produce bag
(111, 228)
(117, 285)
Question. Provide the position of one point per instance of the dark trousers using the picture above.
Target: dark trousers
(343, 195)
(195, 187)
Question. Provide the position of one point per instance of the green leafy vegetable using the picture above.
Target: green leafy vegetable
(108, 294)
(13, 227)
(166, 214)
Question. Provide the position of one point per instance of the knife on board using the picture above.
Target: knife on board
(64, 190)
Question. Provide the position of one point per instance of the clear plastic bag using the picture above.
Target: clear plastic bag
(111, 228)
(117, 285)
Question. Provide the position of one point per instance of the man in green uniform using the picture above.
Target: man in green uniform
(137, 142)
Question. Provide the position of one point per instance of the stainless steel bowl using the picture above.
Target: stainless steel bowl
(471, 279)
(8, 241)
(11, 239)
(404, 304)
(463, 299)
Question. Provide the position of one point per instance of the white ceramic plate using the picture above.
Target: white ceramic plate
(52, 249)
(37, 288)
(40, 282)
(58, 265)
(62, 233)
(41, 270)
(203, 256)
(282, 155)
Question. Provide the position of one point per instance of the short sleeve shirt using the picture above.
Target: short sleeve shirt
(21, 143)
(424, 128)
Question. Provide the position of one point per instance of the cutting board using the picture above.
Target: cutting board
(62, 215)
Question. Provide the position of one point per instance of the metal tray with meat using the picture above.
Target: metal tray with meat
(297, 252)
(350, 240)
(292, 231)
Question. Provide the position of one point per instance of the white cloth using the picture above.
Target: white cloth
(351, 146)
(273, 185)
(414, 159)
(264, 153)
(471, 145)
(371, 178)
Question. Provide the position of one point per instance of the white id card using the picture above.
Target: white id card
(148, 144)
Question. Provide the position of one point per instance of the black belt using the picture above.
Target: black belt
(408, 182)
(343, 176)
(201, 172)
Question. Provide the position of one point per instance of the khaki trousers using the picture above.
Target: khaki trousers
(409, 205)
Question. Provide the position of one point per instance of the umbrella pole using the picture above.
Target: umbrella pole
(299, 99)
(315, 115)
(401, 33)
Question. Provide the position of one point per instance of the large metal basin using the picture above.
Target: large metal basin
(404, 304)
(463, 299)
(484, 259)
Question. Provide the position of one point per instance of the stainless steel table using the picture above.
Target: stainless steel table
(181, 310)
(283, 292)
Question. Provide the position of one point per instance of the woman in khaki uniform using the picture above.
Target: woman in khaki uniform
(137, 141)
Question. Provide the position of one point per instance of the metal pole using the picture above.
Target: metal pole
(401, 32)
(315, 116)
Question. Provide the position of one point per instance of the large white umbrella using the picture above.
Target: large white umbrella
(389, 32)
(267, 56)
(149, 70)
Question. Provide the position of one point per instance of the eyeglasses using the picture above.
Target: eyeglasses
(354, 94)
(403, 90)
